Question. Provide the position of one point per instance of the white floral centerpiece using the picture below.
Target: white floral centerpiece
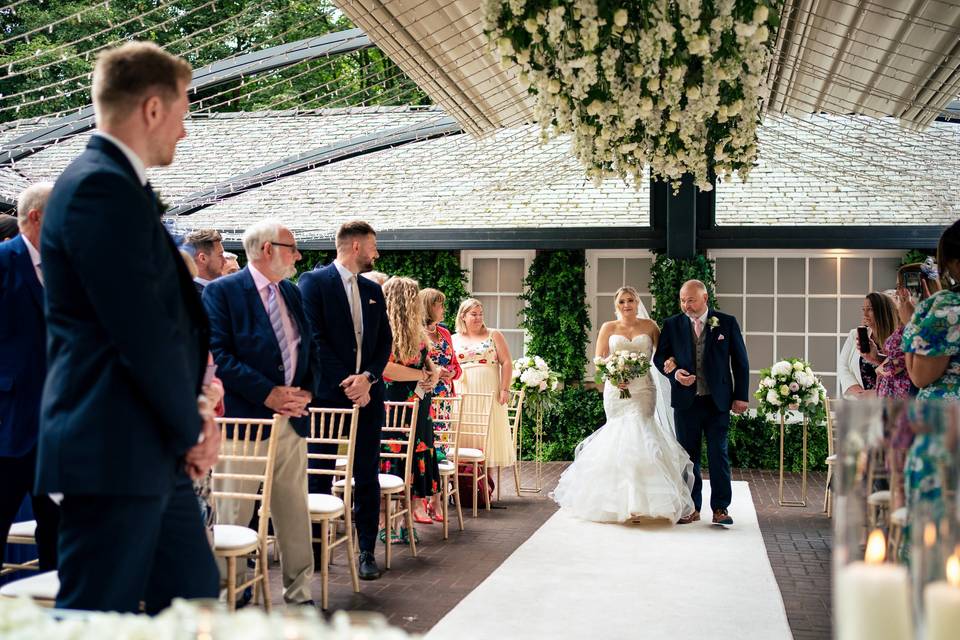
(621, 367)
(791, 384)
(22, 619)
(673, 84)
(533, 375)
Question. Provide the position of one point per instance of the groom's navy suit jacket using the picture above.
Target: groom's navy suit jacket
(724, 353)
(125, 353)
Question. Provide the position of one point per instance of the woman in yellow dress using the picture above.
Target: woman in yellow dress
(487, 367)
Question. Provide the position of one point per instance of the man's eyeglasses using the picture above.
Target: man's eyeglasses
(292, 247)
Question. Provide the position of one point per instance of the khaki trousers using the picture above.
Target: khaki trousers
(288, 510)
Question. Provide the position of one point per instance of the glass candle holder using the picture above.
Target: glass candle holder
(895, 520)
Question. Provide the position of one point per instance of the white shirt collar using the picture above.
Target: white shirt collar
(259, 280)
(202, 281)
(345, 274)
(703, 318)
(32, 250)
(132, 157)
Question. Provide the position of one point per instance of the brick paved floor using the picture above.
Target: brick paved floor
(417, 592)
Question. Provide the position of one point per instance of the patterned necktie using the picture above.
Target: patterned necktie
(698, 326)
(357, 314)
(276, 321)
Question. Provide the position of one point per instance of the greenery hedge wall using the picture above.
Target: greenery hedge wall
(754, 441)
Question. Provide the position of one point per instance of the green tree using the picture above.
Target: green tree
(48, 47)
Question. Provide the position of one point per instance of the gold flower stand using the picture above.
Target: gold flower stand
(537, 452)
(802, 502)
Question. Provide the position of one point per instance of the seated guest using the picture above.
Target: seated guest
(411, 375)
(856, 370)
(260, 339)
(206, 248)
(23, 365)
(230, 263)
(121, 417)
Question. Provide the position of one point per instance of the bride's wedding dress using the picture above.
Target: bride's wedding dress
(631, 467)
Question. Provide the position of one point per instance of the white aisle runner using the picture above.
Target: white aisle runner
(575, 579)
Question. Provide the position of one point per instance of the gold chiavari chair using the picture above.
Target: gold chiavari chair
(514, 418)
(446, 422)
(397, 445)
(830, 461)
(246, 462)
(21, 533)
(474, 425)
(335, 429)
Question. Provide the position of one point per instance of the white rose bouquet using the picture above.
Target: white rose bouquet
(620, 367)
(533, 375)
(791, 383)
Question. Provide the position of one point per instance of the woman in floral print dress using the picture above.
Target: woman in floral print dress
(931, 342)
(411, 375)
(444, 357)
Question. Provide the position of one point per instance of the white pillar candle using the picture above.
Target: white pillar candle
(941, 603)
(873, 598)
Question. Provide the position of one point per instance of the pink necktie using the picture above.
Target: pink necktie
(698, 326)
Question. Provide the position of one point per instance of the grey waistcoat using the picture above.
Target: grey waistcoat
(703, 389)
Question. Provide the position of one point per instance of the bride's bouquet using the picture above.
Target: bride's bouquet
(620, 367)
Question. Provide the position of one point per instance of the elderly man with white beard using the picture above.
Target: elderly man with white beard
(263, 348)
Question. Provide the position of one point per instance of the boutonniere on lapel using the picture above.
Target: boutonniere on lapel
(713, 322)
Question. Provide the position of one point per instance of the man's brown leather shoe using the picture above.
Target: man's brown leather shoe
(720, 516)
(691, 517)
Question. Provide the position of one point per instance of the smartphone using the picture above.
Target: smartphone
(911, 282)
(863, 340)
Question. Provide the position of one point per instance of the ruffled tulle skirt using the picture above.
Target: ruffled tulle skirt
(631, 467)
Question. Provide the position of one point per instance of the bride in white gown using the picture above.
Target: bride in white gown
(632, 467)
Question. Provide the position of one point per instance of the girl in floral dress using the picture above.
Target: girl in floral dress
(931, 342)
(443, 356)
(411, 375)
(894, 382)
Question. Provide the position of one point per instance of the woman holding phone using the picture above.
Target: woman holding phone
(862, 353)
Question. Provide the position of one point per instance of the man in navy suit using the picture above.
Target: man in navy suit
(349, 319)
(265, 356)
(122, 417)
(23, 366)
(698, 350)
(206, 248)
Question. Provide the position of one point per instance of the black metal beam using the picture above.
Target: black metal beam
(329, 154)
(821, 237)
(283, 55)
(514, 238)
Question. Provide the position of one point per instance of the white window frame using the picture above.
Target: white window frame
(838, 296)
(593, 272)
(466, 262)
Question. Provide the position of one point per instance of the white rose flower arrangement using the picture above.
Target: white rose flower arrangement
(791, 383)
(534, 376)
(673, 84)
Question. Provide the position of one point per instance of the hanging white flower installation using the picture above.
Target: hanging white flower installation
(673, 84)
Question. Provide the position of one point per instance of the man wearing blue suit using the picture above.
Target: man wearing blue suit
(698, 350)
(23, 366)
(263, 348)
(350, 328)
(122, 417)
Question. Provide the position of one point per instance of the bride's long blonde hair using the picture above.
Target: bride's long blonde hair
(405, 313)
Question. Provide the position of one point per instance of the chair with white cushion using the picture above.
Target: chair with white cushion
(397, 439)
(446, 424)
(41, 588)
(21, 533)
(251, 455)
(334, 429)
(474, 425)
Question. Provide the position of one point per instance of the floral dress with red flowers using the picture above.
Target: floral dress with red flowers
(426, 472)
(443, 355)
